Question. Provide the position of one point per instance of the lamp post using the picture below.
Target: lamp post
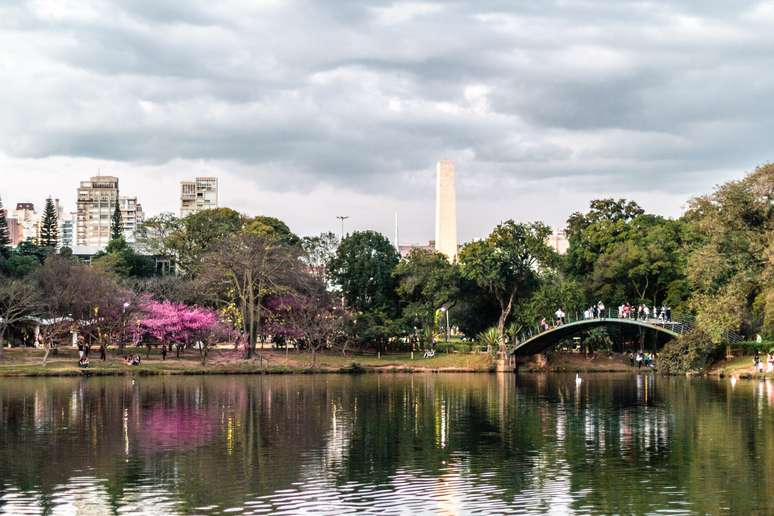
(445, 311)
(342, 218)
(123, 323)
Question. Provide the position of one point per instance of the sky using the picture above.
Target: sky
(306, 110)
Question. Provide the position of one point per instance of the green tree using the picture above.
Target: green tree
(590, 233)
(116, 223)
(363, 268)
(154, 233)
(199, 233)
(18, 300)
(645, 263)
(730, 249)
(119, 258)
(318, 251)
(244, 269)
(425, 282)
(555, 290)
(5, 236)
(272, 228)
(506, 264)
(476, 309)
(18, 265)
(49, 226)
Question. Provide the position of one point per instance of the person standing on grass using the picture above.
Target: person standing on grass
(102, 352)
(163, 352)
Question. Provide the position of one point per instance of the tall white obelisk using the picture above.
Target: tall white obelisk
(446, 210)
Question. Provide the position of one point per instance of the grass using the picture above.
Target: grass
(28, 362)
(737, 366)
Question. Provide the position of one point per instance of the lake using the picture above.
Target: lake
(386, 443)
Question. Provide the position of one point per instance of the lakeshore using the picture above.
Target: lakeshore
(17, 362)
(20, 362)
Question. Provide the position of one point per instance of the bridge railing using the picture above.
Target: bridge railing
(678, 322)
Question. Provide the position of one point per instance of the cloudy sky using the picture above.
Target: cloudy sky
(307, 110)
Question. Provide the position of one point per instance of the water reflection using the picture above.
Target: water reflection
(386, 443)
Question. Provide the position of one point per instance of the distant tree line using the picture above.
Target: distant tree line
(715, 262)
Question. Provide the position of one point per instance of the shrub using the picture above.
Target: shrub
(689, 353)
(489, 338)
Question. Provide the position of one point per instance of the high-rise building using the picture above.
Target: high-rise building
(197, 195)
(66, 230)
(97, 200)
(132, 217)
(28, 220)
(14, 231)
(558, 242)
(446, 210)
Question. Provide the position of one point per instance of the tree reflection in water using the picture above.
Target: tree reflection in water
(449, 443)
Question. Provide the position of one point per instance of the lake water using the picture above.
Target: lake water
(448, 444)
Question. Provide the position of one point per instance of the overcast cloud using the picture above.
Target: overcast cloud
(307, 110)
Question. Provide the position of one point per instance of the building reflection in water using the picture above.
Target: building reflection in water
(434, 443)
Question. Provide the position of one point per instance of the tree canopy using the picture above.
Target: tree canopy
(363, 269)
(49, 226)
(506, 264)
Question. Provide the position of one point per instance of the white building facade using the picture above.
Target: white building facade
(197, 195)
(97, 199)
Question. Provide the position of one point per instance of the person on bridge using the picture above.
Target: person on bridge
(543, 324)
(559, 317)
(600, 309)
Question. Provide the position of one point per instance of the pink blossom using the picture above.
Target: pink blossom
(176, 322)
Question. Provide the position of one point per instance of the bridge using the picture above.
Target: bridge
(534, 340)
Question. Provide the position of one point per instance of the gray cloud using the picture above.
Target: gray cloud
(299, 96)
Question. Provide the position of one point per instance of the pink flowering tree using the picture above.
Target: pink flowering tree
(180, 325)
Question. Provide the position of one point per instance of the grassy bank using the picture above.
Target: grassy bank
(28, 362)
(739, 366)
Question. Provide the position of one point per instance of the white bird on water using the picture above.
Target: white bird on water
(578, 379)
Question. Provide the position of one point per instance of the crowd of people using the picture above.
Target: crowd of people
(595, 311)
(643, 312)
(640, 359)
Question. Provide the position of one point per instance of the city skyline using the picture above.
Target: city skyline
(640, 101)
(163, 196)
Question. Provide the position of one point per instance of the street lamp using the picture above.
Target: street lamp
(342, 218)
(123, 324)
(445, 311)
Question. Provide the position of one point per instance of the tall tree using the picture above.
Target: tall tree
(116, 223)
(49, 226)
(362, 267)
(18, 300)
(5, 236)
(272, 228)
(244, 269)
(506, 264)
(730, 248)
(591, 233)
(426, 281)
(154, 233)
(645, 263)
(197, 234)
(119, 258)
(318, 252)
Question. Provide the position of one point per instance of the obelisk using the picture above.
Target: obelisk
(446, 210)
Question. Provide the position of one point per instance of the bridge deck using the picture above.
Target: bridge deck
(535, 343)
